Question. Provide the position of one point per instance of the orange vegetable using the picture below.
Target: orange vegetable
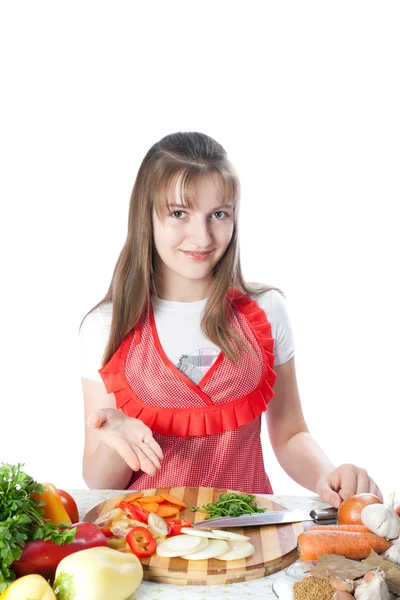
(152, 507)
(173, 500)
(54, 509)
(134, 497)
(360, 528)
(351, 544)
(151, 499)
(350, 510)
(165, 510)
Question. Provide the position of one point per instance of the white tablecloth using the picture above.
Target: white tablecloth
(260, 588)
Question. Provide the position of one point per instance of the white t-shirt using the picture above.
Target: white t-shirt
(180, 335)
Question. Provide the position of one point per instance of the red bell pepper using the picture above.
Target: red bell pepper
(141, 542)
(134, 511)
(42, 557)
(176, 525)
(106, 531)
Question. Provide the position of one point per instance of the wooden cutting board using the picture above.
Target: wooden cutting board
(275, 545)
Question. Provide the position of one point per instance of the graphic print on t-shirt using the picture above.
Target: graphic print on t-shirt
(196, 364)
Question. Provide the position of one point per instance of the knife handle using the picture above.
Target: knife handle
(324, 513)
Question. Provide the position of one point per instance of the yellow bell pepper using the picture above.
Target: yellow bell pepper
(98, 574)
(29, 587)
(54, 508)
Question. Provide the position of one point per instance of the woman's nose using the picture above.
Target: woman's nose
(199, 234)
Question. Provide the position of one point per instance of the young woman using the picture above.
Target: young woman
(182, 356)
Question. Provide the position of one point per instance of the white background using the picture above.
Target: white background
(305, 98)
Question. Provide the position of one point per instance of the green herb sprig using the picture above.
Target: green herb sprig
(22, 520)
(230, 505)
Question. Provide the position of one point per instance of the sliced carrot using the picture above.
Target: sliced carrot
(134, 497)
(173, 500)
(151, 507)
(145, 499)
(131, 498)
(359, 528)
(351, 544)
(167, 511)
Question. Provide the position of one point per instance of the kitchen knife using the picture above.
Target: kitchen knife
(274, 517)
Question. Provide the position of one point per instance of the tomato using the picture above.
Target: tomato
(176, 526)
(70, 506)
(141, 542)
(134, 511)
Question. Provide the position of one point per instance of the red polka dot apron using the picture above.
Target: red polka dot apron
(210, 432)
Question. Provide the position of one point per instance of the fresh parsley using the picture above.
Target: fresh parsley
(21, 519)
(230, 505)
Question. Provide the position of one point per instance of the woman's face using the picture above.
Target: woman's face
(189, 242)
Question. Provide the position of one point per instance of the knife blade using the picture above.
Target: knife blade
(273, 517)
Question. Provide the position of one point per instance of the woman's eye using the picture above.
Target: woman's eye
(220, 214)
(177, 214)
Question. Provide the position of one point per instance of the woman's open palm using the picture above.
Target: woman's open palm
(129, 437)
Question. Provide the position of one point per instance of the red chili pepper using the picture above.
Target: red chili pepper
(176, 525)
(134, 511)
(141, 542)
(42, 557)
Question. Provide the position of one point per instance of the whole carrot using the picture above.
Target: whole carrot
(359, 528)
(351, 544)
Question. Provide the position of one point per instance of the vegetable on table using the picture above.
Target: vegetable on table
(172, 500)
(382, 519)
(175, 526)
(141, 542)
(98, 574)
(213, 549)
(359, 528)
(180, 544)
(349, 512)
(230, 505)
(42, 557)
(167, 511)
(53, 505)
(134, 511)
(69, 505)
(21, 519)
(376, 587)
(165, 505)
(30, 587)
(158, 526)
(236, 550)
(356, 545)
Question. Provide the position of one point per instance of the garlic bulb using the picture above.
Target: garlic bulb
(376, 589)
(382, 520)
(393, 553)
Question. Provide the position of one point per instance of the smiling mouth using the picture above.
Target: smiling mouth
(196, 253)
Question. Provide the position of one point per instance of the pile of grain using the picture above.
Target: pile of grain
(312, 588)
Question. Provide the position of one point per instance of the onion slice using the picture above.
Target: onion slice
(229, 535)
(237, 550)
(200, 533)
(213, 549)
(158, 525)
(181, 544)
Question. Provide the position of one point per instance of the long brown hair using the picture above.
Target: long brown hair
(188, 155)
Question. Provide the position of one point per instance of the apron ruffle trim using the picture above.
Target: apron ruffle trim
(204, 420)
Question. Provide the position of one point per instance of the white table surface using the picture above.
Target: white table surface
(260, 588)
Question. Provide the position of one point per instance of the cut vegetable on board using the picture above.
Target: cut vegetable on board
(272, 548)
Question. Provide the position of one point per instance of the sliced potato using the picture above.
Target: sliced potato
(228, 535)
(181, 544)
(213, 548)
(200, 533)
(237, 550)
